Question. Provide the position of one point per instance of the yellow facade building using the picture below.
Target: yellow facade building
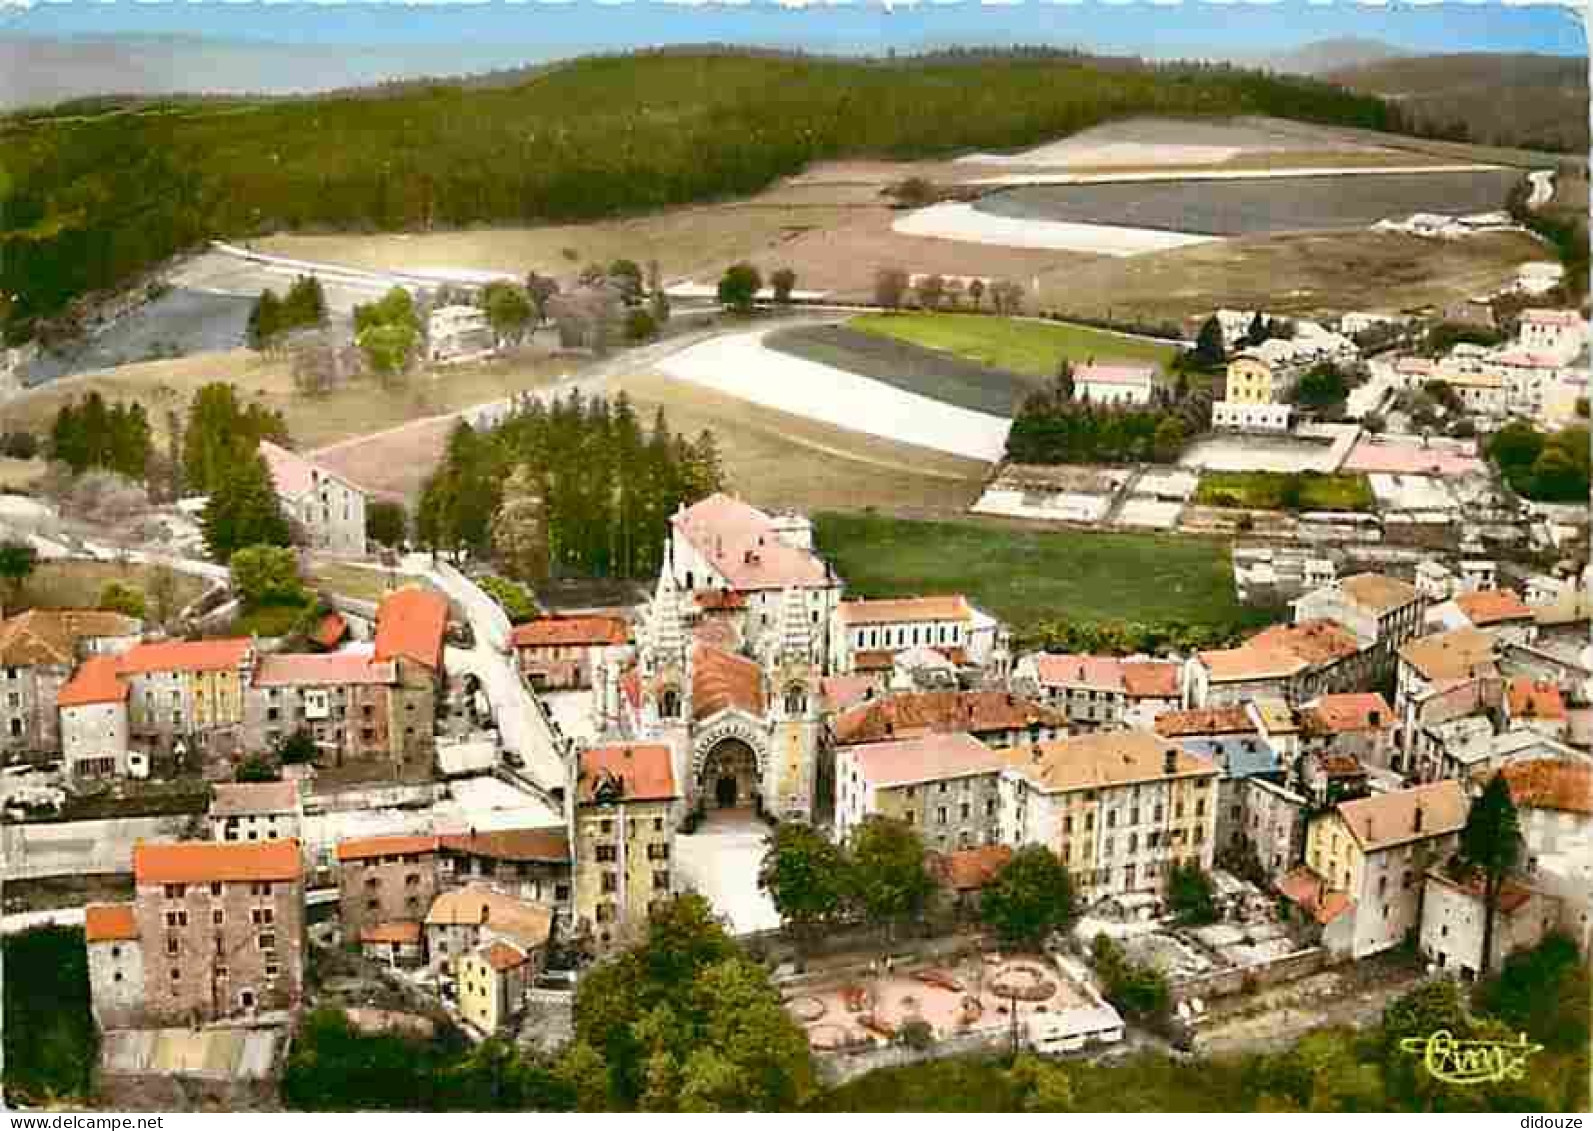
(623, 839)
(1250, 381)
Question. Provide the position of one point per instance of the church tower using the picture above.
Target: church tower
(792, 669)
(666, 672)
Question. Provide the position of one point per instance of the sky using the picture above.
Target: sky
(359, 40)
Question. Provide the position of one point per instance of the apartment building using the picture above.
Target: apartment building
(996, 718)
(189, 692)
(94, 728)
(1120, 808)
(560, 653)
(624, 830)
(1094, 692)
(943, 785)
(383, 880)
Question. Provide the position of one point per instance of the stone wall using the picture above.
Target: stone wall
(836, 1068)
(1241, 979)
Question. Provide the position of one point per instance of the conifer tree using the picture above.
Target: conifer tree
(243, 509)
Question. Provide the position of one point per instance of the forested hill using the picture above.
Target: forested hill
(96, 197)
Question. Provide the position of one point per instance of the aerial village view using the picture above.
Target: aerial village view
(863, 559)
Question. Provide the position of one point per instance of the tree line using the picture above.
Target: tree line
(1058, 425)
(1546, 468)
(575, 488)
(91, 434)
(94, 201)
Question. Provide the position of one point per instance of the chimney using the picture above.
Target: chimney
(1170, 760)
(1416, 824)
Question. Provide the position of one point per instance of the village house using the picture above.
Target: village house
(1535, 704)
(214, 931)
(329, 509)
(624, 831)
(397, 944)
(1270, 827)
(94, 728)
(1337, 660)
(188, 693)
(412, 631)
(1377, 849)
(383, 880)
(1324, 914)
(964, 874)
(868, 635)
(357, 710)
(39, 649)
(459, 333)
(1254, 395)
(1560, 333)
(1452, 916)
(532, 865)
(493, 945)
(1498, 612)
(1360, 725)
(1483, 393)
(943, 785)
(1119, 808)
(995, 718)
(1383, 612)
(1554, 803)
(557, 653)
(1439, 661)
(1093, 692)
(248, 811)
(1326, 779)
(1114, 384)
(1281, 726)
(1288, 662)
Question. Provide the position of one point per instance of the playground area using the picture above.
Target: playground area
(977, 994)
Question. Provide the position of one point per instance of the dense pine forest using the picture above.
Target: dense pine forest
(95, 193)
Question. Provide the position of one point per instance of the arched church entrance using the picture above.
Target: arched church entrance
(729, 778)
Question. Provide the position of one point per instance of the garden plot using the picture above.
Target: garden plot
(969, 223)
(742, 366)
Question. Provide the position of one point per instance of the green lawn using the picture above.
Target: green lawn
(1032, 348)
(1026, 576)
(1266, 490)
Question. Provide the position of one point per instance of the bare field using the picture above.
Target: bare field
(362, 407)
(1291, 274)
(772, 458)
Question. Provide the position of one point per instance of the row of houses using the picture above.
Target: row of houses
(85, 683)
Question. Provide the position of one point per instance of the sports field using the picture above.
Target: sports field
(1028, 576)
(1032, 348)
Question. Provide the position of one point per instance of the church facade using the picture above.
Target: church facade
(728, 661)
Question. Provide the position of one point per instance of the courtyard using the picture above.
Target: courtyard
(720, 862)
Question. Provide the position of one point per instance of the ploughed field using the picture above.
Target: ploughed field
(1253, 207)
(902, 365)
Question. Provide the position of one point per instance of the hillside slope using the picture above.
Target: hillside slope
(1526, 101)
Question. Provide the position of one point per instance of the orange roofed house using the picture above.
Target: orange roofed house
(1093, 692)
(559, 653)
(189, 692)
(38, 651)
(214, 931)
(1120, 808)
(94, 730)
(625, 815)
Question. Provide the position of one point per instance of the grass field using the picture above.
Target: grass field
(1030, 348)
(899, 363)
(1027, 576)
(77, 584)
(356, 583)
(360, 407)
(1265, 490)
(774, 459)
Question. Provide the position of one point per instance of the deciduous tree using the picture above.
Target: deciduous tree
(1031, 897)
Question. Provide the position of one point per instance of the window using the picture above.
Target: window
(217, 917)
(660, 881)
(176, 918)
(171, 944)
(263, 916)
(658, 852)
(215, 889)
(610, 882)
(605, 853)
(561, 893)
(176, 974)
(268, 941)
(175, 891)
(940, 815)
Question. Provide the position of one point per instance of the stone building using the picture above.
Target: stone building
(943, 785)
(412, 625)
(254, 811)
(996, 718)
(1095, 692)
(188, 692)
(560, 653)
(1452, 916)
(383, 880)
(1119, 808)
(1361, 725)
(215, 931)
(1383, 613)
(329, 508)
(38, 651)
(94, 728)
(626, 804)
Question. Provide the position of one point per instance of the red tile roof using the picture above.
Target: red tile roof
(1314, 641)
(906, 714)
(411, 623)
(1548, 783)
(546, 632)
(194, 862)
(95, 681)
(1106, 758)
(740, 542)
(645, 773)
(1310, 891)
(185, 656)
(330, 631)
(1493, 606)
(1463, 653)
(109, 922)
(1387, 819)
(1062, 670)
(550, 845)
(501, 956)
(1152, 679)
(365, 848)
(1338, 714)
(720, 600)
(906, 610)
(931, 757)
(969, 869)
(721, 679)
(843, 691)
(321, 669)
(1251, 661)
(1534, 699)
(402, 933)
(1377, 591)
(1203, 721)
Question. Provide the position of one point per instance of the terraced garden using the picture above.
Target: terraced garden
(1276, 490)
